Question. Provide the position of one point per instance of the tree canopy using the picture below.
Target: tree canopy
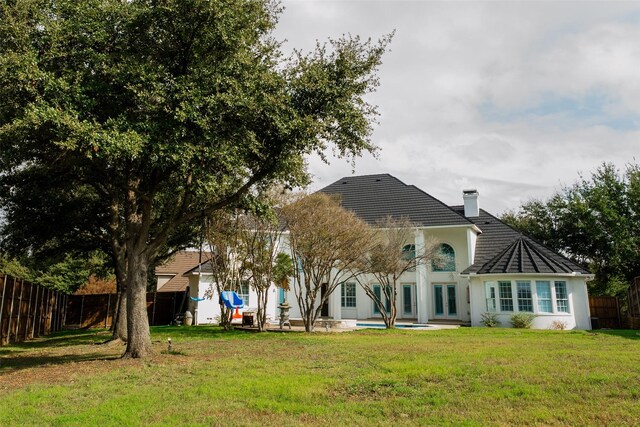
(595, 221)
(170, 110)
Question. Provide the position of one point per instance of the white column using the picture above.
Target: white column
(422, 290)
(335, 304)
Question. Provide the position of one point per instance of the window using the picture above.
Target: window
(525, 299)
(407, 300)
(562, 298)
(543, 291)
(490, 292)
(408, 252)
(506, 296)
(348, 295)
(377, 291)
(243, 292)
(445, 260)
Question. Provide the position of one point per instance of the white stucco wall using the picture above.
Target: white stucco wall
(577, 318)
(422, 279)
(208, 310)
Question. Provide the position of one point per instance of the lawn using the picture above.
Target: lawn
(468, 376)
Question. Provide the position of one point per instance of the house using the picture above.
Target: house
(489, 266)
(170, 274)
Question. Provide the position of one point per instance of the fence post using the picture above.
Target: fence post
(46, 313)
(106, 317)
(4, 288)
(26, 327)
(54, 313)
(40, 311)
(66, 306)
(13, 293)
(81, 309)
(35, 313)
(153, 310)
(19, 309)
(173, 312)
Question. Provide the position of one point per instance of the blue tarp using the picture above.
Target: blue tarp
(231, 299)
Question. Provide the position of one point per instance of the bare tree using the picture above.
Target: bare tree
(223, 235)
(327, 243)
(264, 264)
(392, 254)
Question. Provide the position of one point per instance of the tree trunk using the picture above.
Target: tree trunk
(120, 324)
(393, 312)
(308, 320)
(263, 295)
(139, 337)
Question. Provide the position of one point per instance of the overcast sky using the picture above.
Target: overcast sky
(512, 98)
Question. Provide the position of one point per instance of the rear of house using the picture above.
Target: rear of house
(489, 266)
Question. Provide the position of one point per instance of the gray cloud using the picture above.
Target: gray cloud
(514, 98)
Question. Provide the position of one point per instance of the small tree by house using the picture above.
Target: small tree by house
(264, 265)
(392, 254)
(327, 243)
(223, 235)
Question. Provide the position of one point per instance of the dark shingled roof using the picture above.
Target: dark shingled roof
(501, 249)
(374, 197)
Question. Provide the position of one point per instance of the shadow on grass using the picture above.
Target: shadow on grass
(60, 339)
(16, 363)
(196, 332)
(631, 334)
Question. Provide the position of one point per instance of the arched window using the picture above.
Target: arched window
(445, 260)
(408, 252)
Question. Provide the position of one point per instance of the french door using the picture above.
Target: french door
(408, 300)
(445, 301)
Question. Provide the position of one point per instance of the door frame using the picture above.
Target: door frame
(413, 314)
(446, 310)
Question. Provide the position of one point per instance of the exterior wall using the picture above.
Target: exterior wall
(422, 279)
(208, 310)
(457, 238)
(577, 318)
(163, 279)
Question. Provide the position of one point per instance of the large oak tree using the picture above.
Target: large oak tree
(171, 110)
(595, 221)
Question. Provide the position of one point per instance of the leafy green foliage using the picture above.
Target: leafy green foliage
(169, 111)
(595, 221)
(282, 270)
(489, 320)
(522, 320)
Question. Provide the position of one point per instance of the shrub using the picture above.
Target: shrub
(490, 320)
(522, 320)
(558, 325)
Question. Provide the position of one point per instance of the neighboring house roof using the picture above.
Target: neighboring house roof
(205, 267)
(374, 197)
(176, 266)
(501, 249)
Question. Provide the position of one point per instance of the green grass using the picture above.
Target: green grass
(469, 376)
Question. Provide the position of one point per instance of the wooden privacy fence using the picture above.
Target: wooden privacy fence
(28, 310)
(634, 298)
(97, 311)
(606, 310)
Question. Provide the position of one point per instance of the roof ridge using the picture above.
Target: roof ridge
(536, 241)
(441, 202)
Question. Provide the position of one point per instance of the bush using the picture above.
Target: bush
(522, 320)
(490, 320)
(558, 325)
